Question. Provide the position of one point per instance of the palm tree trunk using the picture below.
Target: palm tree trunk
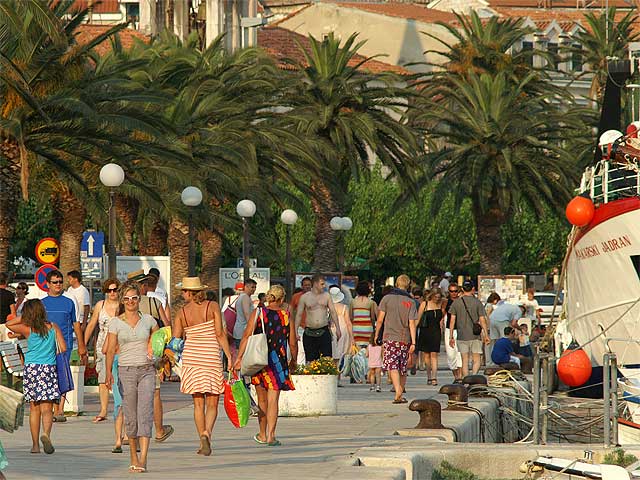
(156, 243)
(9, 195)
(211, 258)
(324, 206)
(71, 217)
(127, 210)
(490, 246)
(179, 252)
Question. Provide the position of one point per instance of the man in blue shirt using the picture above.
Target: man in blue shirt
(503, 315)
(61, 310)
(503, 351)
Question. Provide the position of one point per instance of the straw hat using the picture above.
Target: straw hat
(137, 275)
(191, 283)
(336, 294)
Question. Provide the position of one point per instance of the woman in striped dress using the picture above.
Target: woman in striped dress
(363, 315)
(202, 377)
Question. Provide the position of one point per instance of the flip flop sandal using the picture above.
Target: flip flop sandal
(168, 430)
(275, 443)
(98, 419)
(47, 446)
(59, 418)
(205, 446)
(258, 441)
(116, 450)
(433, 382)
(400, 400)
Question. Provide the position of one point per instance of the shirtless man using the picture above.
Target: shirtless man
(320, 314)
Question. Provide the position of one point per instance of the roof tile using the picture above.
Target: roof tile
(404, 10)
(86, 32)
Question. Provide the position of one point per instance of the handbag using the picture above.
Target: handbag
(477, 328)
(230, 314)
(65, 380)
(256, 354)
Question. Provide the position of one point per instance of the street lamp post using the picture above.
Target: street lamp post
(340, 224)
(246, 209)
(289, 218)
(191, 197)
(112, 176)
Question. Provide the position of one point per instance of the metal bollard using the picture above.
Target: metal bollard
(536, 398)
(544, 396)
(614, 397)
(606, 397)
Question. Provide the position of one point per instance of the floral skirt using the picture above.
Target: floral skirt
(40, 383)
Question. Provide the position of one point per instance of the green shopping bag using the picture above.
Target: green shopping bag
(236, 401)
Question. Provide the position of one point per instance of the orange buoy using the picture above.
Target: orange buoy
(580, 210)
(574, 367)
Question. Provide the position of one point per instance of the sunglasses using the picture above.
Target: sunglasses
(454, 291)
(133, 298)
(19, 288)
(56, 282)
(112, 290)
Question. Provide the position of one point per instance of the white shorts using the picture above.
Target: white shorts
(454, 359)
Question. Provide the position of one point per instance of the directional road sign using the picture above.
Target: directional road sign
(92, 244)
(91, 267)
(41, 276)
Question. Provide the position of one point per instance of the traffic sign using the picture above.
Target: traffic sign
(41, 276)
(47, 251)
(92, 244)
(91, 267)
(253, 262)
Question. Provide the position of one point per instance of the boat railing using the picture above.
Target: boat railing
(607, 181)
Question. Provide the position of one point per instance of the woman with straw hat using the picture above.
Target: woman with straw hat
(200, 321)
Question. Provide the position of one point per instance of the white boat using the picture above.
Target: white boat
(584, 469)
(628, 432)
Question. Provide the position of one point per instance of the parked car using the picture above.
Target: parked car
(545, 301)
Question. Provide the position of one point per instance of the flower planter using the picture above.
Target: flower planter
(75, 398)
(314, 395)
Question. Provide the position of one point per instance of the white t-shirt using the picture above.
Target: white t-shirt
(444, 286)
(532, 308)
(160, 295)
(79, 295)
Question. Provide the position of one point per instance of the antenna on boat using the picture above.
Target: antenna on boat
(633, 87)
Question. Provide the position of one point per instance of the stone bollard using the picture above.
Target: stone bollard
(430, 413)
(474, 380)
(458, 395)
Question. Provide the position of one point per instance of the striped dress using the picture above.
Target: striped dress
(362, 321)
(201, 361)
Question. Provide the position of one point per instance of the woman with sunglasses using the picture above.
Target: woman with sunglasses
(131, 333)
(103, 312)
(21, 295)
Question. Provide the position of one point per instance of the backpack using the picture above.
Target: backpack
(230, 314)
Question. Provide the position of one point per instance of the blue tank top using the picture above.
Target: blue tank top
(41, 350)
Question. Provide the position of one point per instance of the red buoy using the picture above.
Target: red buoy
(580, 210)
(574, 367)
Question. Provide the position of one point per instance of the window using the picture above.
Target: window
(527, 47)
(577, 58)
(552, 48)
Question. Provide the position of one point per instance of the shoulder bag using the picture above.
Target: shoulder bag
(65, 380)
(477, 328)
(256, 353)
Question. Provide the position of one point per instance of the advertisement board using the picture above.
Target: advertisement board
(511, 288)
(125, 265)
(230, 276)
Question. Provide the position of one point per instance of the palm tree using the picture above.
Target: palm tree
(57, 110)
(604, 37)
(355, 115)
(502, 148)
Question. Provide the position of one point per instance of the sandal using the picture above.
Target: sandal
(433, 381)
(400, 400)
(98, 419)
(116, 450)
(205, 446)
(47, 446)
(168, 430)
(275, 443)
(136, 469)
(258, 441)
(59, 418)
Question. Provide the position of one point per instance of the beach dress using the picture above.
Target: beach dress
(201, 361)
(362, 322)
(275, 376)
(40, 380)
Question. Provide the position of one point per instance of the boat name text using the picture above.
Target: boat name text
(606, 246)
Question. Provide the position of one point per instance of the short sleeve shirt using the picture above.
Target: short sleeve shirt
(532, 308)
(464, 322)
(502, 351)
(61, 310)
(81, 297)
(398, 309)
(241, 321)
(133, 341)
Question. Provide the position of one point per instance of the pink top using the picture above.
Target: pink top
(374, 353)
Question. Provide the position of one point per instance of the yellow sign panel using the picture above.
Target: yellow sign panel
(47, 251)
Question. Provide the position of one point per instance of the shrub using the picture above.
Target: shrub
(322, 366)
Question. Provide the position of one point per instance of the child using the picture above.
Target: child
(374, 354)
(40, 384)
(524, 346)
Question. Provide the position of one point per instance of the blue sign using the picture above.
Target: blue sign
(92, 244)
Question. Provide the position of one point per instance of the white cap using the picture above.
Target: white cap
(448, 274)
